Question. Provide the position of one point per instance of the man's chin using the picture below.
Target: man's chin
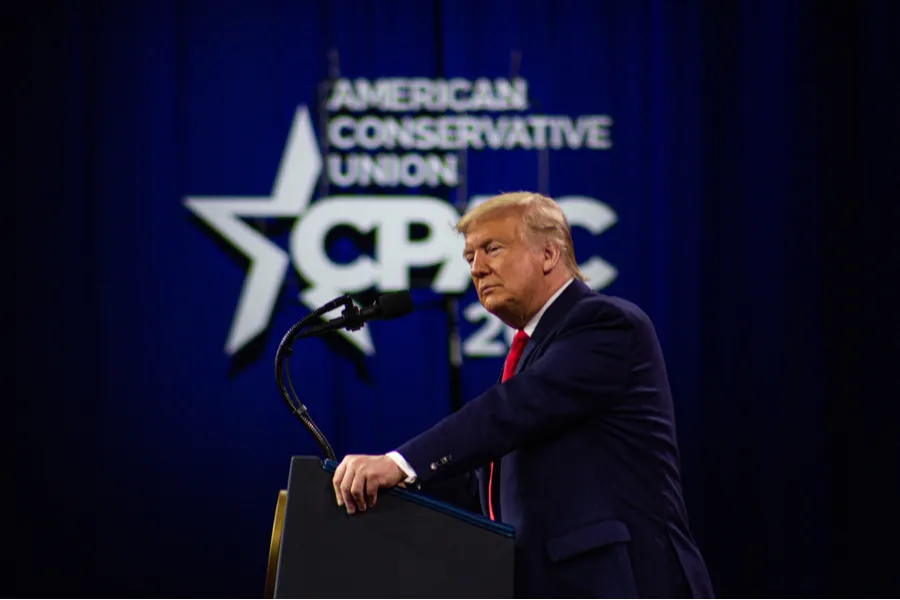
(496, 306)
(490, 303)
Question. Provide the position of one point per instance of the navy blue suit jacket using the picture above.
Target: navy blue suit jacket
(584, 433)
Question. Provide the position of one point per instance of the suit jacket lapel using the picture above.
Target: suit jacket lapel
(552, 317)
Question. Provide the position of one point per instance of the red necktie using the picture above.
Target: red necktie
(509, 367)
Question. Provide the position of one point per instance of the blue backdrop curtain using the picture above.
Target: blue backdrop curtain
(750, 174)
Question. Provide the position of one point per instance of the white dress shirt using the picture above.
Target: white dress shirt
(528, 329)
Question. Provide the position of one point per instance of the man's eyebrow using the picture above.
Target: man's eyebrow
(482, 244)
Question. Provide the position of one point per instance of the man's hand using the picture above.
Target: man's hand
(359, 477)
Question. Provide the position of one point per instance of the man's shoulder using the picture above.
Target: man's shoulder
(609, 318)
(596, 306)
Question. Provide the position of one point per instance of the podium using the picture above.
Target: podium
(407, 546)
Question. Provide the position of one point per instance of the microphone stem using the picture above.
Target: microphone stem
(282, 373)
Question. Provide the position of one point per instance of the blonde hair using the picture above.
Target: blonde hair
(541, 216)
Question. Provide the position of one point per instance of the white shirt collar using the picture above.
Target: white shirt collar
(533, 323)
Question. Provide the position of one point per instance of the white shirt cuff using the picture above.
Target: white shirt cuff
(404, 466)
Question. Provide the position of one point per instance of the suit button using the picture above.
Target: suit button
(434, 466)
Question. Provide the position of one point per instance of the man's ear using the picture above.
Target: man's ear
(550, 256)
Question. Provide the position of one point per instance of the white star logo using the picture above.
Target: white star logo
(301, 164)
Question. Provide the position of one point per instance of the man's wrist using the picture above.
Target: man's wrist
(404, 466)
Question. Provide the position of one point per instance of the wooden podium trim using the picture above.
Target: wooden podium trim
(275, 543)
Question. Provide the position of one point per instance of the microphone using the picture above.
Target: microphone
(386, 307)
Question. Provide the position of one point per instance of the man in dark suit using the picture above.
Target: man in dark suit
(576, 446)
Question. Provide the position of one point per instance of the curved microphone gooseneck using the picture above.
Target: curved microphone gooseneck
(388, 306)
(297, 408)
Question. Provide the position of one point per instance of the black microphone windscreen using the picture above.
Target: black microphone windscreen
(395, 304)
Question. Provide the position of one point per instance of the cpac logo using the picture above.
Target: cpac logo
(395, 253)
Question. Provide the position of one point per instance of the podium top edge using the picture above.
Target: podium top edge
(443, 507)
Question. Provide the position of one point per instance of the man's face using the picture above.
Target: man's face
(506, 271)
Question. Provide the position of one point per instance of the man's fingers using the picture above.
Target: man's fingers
(336, 481)
(357, 489)
(358, 479)
(346, 495)
(371, 491)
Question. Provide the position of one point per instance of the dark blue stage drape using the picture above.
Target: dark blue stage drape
(149, 461)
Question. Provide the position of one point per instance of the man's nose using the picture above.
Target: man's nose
(479, 265)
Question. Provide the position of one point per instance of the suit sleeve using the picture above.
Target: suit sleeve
(583, 371)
